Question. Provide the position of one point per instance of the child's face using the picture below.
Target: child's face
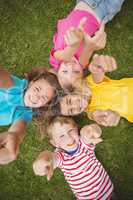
(65, 136)
(38, 93)
(69, 72)
(73, 104)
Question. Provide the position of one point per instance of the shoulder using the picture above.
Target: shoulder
(87, 146)
(5, 79)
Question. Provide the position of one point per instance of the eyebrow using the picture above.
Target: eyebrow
(70, 130)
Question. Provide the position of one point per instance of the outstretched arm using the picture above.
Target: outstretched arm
(10, 142)
(91, 134)
(91, 44)
(105, 117)
(73, 38)
(45, 164)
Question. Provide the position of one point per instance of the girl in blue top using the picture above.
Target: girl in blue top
(17, 98)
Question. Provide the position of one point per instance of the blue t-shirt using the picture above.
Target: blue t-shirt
(12, 106)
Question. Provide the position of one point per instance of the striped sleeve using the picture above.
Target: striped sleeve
(59, 158)
(90, 147)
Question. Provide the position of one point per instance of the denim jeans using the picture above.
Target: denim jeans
(105, 9)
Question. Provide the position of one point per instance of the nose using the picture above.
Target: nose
(69, 138)
(34, 98)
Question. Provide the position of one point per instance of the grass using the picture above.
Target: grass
(26, 30)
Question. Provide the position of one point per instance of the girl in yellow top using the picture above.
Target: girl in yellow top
(108, 99)
(116, 95)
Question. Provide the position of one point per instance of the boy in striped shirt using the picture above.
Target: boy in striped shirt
(75, 156)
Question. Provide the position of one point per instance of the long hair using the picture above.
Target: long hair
(42, 115)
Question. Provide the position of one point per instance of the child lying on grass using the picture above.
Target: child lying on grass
(75, 156)
(18, 98)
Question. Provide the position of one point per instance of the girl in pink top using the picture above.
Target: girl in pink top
(80, 34)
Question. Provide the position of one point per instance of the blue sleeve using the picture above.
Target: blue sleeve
(23, 114)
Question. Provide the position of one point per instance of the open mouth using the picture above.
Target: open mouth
(71, 144)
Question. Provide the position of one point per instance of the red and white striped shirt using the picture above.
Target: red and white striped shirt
(85, 174)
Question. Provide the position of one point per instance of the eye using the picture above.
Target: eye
(64, 71)
(45, 98)
(62, 136)
(37, 89)
(76, 71)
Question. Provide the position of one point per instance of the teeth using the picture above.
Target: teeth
(71, 144)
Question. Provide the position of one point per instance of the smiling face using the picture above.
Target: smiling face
(38, 93)
(73, 104)
(65, 136)
(69, 72)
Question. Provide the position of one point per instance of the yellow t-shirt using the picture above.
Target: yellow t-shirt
(116, 95)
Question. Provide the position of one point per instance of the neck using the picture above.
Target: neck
(73, 151)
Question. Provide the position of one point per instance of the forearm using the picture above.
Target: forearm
(18, 129)
(66, 54)
(85, 55)
(98, 76)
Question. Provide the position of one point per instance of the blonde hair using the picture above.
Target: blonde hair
(61, 120)
(81, 87)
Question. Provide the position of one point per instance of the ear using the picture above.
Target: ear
(52, 71)
(53, 143)
(30, 84)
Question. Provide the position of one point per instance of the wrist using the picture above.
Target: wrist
(74, 46)
(18, 135)
(89, 46)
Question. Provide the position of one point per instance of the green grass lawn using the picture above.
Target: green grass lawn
(26, 30)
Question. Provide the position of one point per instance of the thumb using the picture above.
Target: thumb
(49, 172)
(97, 140)
(82, 23)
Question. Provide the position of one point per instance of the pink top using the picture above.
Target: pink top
(63, 25)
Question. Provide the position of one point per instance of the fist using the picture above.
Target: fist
(106, 117)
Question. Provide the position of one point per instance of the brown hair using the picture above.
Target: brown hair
(43, 114)
(43, 73)
(61, 120)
